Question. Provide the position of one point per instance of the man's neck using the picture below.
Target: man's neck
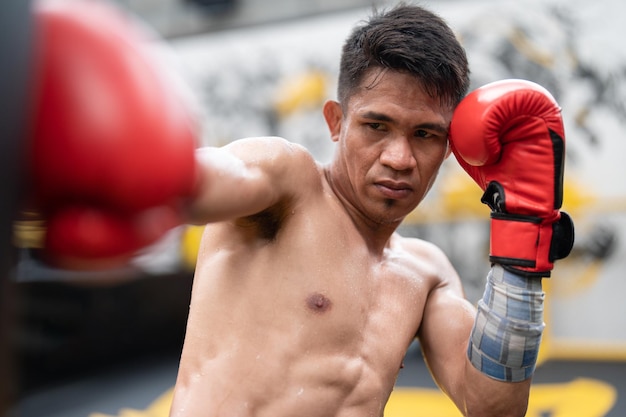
(376, 235)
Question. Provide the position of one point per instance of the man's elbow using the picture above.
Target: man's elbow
(502, 407)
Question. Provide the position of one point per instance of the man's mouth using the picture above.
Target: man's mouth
(394, 189)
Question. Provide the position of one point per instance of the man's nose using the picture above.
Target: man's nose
(398, 154)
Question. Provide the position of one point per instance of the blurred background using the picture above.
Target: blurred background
(89, 344)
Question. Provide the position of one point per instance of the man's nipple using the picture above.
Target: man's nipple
(318, 303)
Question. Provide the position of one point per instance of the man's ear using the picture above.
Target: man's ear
(334, 116)
(449, 151)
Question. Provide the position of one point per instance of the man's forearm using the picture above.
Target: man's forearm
(505, 339)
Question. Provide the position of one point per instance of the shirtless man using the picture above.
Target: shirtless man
(305, 298)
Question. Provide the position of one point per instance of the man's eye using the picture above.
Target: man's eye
(423, 134)
(376, 126)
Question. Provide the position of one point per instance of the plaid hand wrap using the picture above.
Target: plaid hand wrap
(504, 342)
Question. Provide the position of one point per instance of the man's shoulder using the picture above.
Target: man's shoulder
(272, 147)
(296, 157)
(417, 247)
(425, 256)
(288, 163)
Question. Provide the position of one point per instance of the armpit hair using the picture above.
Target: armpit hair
(267, 223)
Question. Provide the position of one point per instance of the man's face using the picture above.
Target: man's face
(392, 138)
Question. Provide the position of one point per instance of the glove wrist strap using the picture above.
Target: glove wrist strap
(522, 243)
(530, 245)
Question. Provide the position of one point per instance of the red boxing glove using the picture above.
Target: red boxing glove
(111, 130)
(509, 137)
(83, 237)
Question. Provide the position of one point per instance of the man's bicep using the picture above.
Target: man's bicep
(444, 334)
(242, 178)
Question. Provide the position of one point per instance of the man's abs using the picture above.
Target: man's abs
(273, 382)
